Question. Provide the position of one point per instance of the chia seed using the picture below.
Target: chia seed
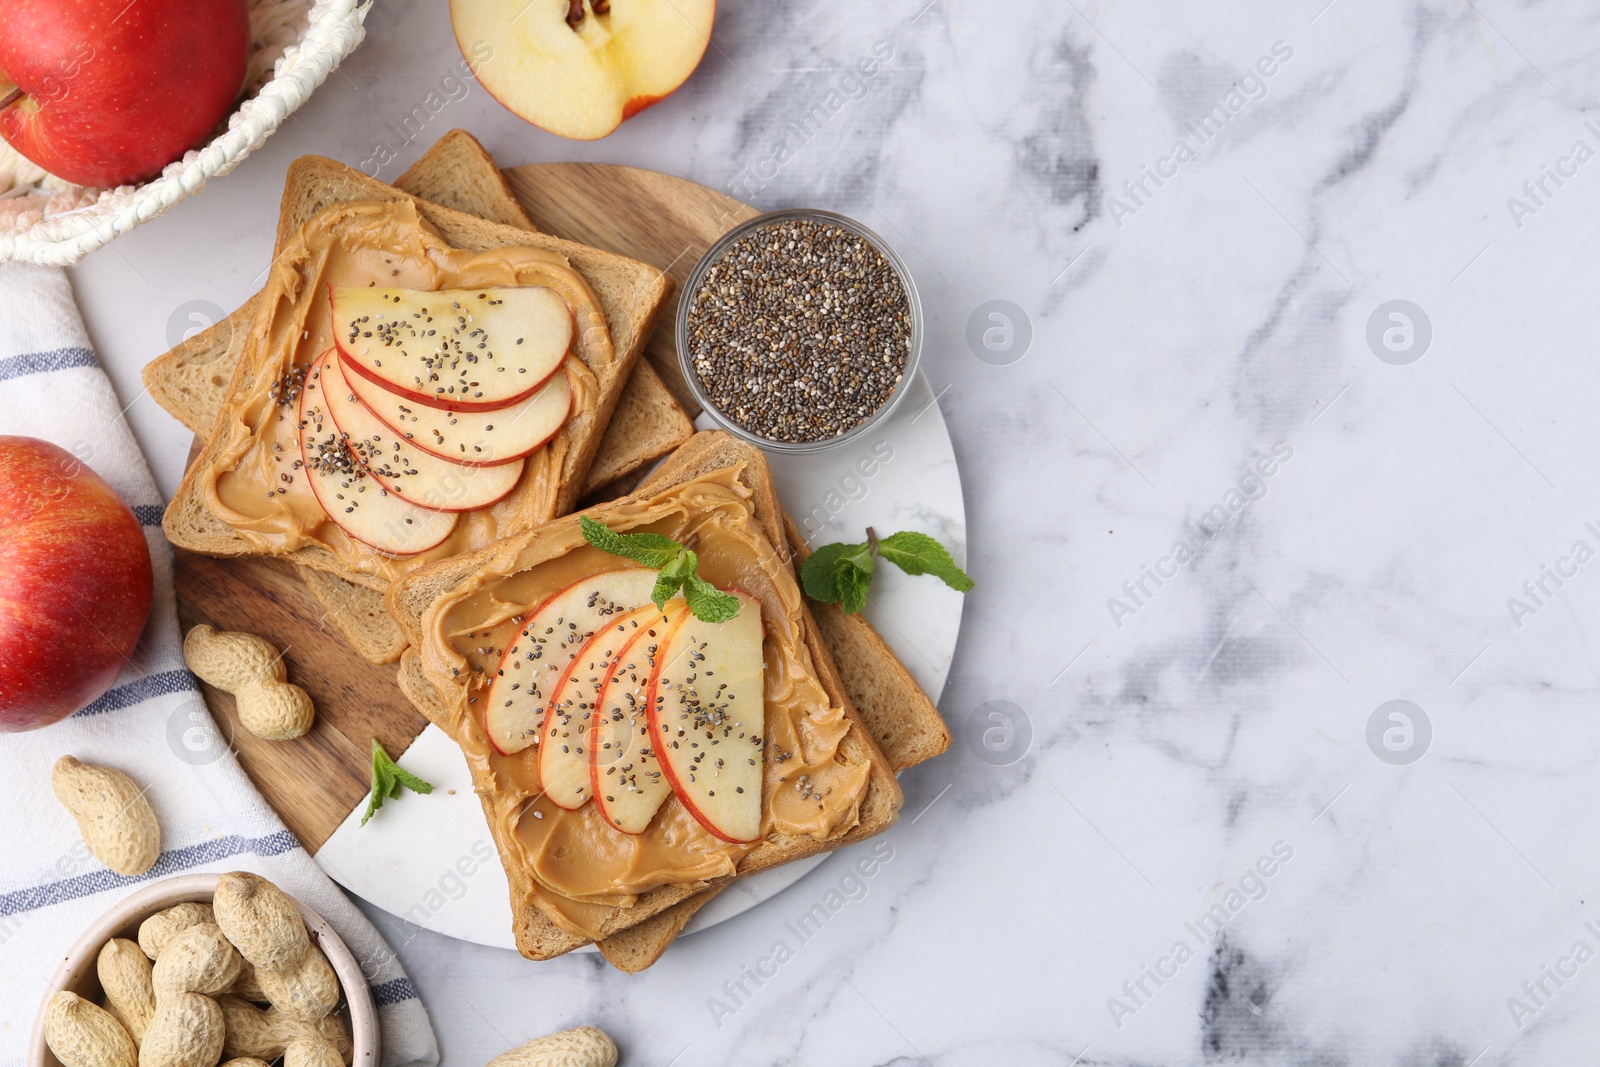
(799, 331)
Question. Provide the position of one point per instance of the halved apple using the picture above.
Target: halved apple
(569, 719)
(400, 466)
(466, 349)
(546, 642)
(471, 438)
(356, 502)
(624, 776)
(579, 69)
(706, 703)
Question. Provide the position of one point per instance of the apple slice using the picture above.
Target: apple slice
(579, 69)
(400, 466)
(568, 720)
(706, 704)
(353, 499)
(546, 642)
(466, 349)
(624, 775)
(471, 438)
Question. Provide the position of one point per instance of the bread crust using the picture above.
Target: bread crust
(630, 295)
(538, 936)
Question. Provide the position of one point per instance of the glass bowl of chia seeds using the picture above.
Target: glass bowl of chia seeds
(799, 330)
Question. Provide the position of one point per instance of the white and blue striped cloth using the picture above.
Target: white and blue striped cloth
(152, 724)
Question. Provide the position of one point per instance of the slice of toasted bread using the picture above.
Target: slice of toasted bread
(458, 172)
(538, 936)
(191, 380)
(901, 718)
(358, 613)
(637, 947)
(647, 424)
(629, 294)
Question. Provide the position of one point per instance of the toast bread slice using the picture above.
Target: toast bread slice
(458, 172)
(902, 720)
(629, 294)
(538, 936)
(191, 380)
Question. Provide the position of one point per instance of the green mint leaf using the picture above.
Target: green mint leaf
(650, 549)
(682, 565)
(853, 585)
(917, 553)
(673, 574)
(410, 781)
(820, 573)
(387, 779)
(676, 563)
(709, 603)
(666, 586)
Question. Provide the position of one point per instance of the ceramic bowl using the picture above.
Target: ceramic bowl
(77, 970)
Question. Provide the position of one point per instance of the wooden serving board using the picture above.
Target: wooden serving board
(315, 781)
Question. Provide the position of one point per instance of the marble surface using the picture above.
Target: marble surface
(1190, 830)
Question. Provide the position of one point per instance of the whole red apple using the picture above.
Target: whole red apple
(75, 584)
(107, 92)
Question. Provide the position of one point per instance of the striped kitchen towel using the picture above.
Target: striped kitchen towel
(152, 724)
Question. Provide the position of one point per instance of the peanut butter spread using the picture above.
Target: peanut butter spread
(580, 865)
(252, 481)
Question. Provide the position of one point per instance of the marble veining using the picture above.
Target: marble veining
(1121, 775)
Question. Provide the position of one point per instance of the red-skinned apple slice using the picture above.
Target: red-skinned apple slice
(471, 438)
(569, 718)
(579, 69)
(400, 466)
(356, 502)
(624, 776)
(465, 349)
(706, 703)
(545, 643)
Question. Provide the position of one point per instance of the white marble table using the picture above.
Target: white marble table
(1100, 888)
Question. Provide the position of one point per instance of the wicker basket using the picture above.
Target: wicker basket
(295, 45)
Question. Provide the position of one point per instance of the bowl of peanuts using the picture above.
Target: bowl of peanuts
(207, 969)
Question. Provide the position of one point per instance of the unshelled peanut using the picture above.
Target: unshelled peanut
(161, 927)
(187, 1031)
(197, 960)
(585, 1046)
(253, 671)
(307, 991)
(246, 985)
(261, 921)
(310, 1053)
(82, 1034)
(125, 977)
(114, 818)
(250, 1031)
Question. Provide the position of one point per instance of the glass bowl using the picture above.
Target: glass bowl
(716, 251)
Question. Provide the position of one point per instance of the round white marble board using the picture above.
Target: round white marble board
(431, 862)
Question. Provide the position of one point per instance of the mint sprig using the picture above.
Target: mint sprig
(387, 778)
(677, 564)
(841, 573)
